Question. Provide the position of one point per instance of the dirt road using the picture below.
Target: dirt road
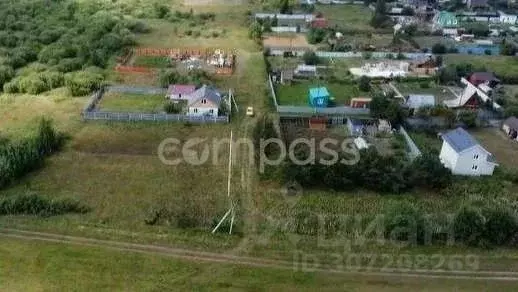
(193, 255)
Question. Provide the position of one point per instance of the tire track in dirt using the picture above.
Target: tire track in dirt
(197, 256)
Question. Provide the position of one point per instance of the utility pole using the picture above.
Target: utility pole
(231, 210)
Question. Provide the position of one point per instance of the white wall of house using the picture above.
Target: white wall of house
(203, 111)
(472, 161)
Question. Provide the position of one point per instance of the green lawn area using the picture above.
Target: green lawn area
(297, 93)
(347, 16)
(501, 65)
(429, 41)
(152, 61)
(426, 142)
(440, 93)
(496, 142)
(39, 266)
(126, 102)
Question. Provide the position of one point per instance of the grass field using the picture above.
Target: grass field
(152, 62)
(496, 142)
(297, 93)
(347, 16)
(439, 92)
(35, 266)
(125, 102)
(501, 65)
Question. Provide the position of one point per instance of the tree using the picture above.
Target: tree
(468, 226)
(315, 35)
(439, 48)
(408, 11)
(284, 7)
(379, 19)
(500, 226)
(404, 222)
(439, 61)
(364, 84)
(508, 49)
(429, 172)
(255, 31)
(468, 118)
(310, 58)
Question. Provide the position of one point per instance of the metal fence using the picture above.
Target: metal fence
(92, 102)
(374, 55)
(136, 90)
(299, 111)
(120, 116)
(413, 151)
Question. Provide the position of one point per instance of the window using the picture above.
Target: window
(204, 101)
(475, 156)
(211, 111)
(195, 110)
(474, 167)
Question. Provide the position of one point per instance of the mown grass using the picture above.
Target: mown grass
(496, 142)
(500, 65)
(297, 93)
(347, 16)
(440, 93)
(36, 266)
(126, 102)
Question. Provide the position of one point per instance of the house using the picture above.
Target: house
(179, 91)
(445, 19)
(507, 18)
(510, 127)
(488, 78)
(360, 102)
(424, 66)
(318, 97)
(306, 71)
(385, 69)
(476, 3)
(417, 101)
(319, 22)
(205, 101)
(287, 19)
(471, 97)
(463, 155)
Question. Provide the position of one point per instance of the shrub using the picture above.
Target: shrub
(500, 226)
(438, 48)
(404, 222)
(83, 82)
(468, 226)
(173, 108)
(364, 84)
(6, 74)
(11, 87)
(310, 58)
(32, 204)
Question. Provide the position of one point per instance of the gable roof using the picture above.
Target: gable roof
(205, 92)
(415, 101)
(459, 140)
(482, 76)
(180, 89)
(512, 122)
(318, 92)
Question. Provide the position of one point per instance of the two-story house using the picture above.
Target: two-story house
(463, 155)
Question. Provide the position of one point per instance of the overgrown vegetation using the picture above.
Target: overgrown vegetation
(32, 204)
(19, 158)
(62, 37)
(171, 76)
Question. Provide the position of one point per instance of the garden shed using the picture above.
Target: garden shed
(318, 97)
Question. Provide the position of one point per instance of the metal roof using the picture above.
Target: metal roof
(318, 92)
(512, 122)
(459, 140)
(416, 101)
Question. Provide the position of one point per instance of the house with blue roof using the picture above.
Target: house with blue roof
(463, 155)
(318, 97)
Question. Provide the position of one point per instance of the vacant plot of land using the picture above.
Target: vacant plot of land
(347, 16)
(297, 93)
(291, 40)
(426, 142)
(501, 65)
(152, 62)
(125, 102)
(429, 41)
(496, 142)
(440, 93)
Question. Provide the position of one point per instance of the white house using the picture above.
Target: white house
(205, 101)
(463, 155)
(507, 18)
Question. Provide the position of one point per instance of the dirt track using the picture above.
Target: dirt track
(192, 255)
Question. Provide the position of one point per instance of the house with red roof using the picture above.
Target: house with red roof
(180, 91)
(319, 22)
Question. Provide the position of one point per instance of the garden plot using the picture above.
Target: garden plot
(347, 16)
(297, 93)
(132, 102)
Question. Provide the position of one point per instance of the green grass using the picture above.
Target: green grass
(297, 93)
(37, 266)
(152, 61)
(347, 16)
(126, 102)
(496, 142)
(440, 93)
(426, 142)
(501, 65)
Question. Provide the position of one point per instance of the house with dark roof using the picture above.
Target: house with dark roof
(488, 78)
(510, 127)
(204, 101)
(463, 155)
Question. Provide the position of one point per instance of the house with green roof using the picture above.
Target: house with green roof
(445, 20)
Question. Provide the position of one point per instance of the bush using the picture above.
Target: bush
(500, 226)
(32, 204)
(83, 82)
(438, 48)
(468, 226)
(364, 84)
(173, 108)
(11, 87)
(404, 222)
(310, 58)
(6, 74)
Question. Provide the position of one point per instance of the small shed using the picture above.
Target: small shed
(356, 127)
(360, 143)
(510, 127)
(317, 123)
(319, 97)
(360, 102)
(306, 71)
(286, 76)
